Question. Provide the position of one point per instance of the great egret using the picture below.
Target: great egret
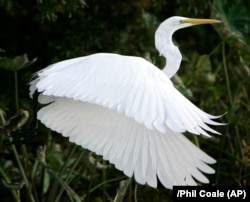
(127, 110)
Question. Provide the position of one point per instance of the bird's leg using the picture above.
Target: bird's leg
(23, 136)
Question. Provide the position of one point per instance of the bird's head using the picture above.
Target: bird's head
(176, 22)
(164, 44)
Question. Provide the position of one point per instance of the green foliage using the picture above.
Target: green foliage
(215, 75)
(236, 21)
(50, 10)
(16, 63)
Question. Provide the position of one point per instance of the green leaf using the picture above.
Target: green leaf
(46, 181)
(203, 63)
(204, 69)
(236, 22)
(54, 157)
(16, 63)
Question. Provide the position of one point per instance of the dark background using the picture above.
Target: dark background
(215, 75)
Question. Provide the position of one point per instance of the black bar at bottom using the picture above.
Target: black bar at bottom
(211, 193)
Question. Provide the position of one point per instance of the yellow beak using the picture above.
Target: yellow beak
(200, 21)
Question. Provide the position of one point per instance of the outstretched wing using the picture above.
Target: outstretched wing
(128, 111)
(129, 85)
(131, 147)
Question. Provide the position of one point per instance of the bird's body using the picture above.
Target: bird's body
(127, 110)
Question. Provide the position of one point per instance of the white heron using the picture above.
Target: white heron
(128, 110)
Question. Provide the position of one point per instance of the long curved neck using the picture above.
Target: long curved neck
(166, 48)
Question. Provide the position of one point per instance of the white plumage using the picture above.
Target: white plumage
(127, 110)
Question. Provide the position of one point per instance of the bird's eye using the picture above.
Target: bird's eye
(181, 21)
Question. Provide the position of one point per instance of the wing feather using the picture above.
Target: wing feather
(131, 85)
(128, 111)
(131, 147)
